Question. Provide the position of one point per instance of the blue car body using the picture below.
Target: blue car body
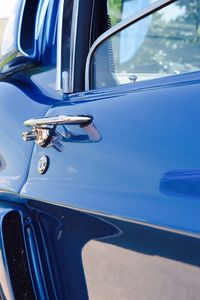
(116, 218)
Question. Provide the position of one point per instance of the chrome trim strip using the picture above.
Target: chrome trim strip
(73, 44)
(39, 22)
(59, 47)
(39, 25)
(19, 31)
(91, 22)
(40, 17)
(118, 27)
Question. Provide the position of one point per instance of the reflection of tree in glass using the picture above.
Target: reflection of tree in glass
(172, 45)
(115, 8)
(192, 12)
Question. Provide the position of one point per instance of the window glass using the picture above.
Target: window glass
(107, 13)
(119, 10)
(164, 43)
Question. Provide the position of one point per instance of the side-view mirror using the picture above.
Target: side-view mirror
(21, 26)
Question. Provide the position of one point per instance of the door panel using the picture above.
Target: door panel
(146, 165)
(122, 218)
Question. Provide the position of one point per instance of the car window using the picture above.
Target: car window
(119, 10)
(107, 13)
(164, 43)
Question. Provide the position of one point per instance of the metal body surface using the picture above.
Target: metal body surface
(142, 173)
(15, 156)
(146, 133)
(115, 214)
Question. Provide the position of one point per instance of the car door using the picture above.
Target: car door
(126, 152)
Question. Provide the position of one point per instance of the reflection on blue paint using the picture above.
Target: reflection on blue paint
(181, 183)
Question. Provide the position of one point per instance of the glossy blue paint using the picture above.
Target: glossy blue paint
(15, 107)
(86, 255)
(24, 95)
(184, 183)
(62, 233)
(147, 129)
(87, 240)
(80, 253)
(48, 51)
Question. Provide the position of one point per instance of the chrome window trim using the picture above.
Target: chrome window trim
(92, 20)
(19, 31)
(59, 47)
(118, 27)
(64, 83)
(40, 17)
(73, 49)
(39, 22)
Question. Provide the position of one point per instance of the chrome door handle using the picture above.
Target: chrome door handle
(60, 120)
(46, 134)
